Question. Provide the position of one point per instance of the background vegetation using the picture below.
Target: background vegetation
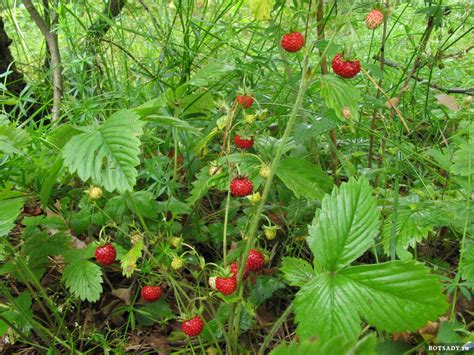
(362, 187)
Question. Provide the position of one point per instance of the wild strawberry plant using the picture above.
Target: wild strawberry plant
(231, 177)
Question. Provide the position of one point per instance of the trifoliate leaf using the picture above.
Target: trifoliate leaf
(107, 154)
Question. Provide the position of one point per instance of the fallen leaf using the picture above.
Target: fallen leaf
(448, 101)
(124, 294)
(393, 102)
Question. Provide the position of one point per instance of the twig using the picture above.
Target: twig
(52, 42)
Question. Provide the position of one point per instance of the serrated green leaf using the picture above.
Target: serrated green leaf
(108, 154)
(408, 232)
(335, 245)
(263, 288)
(338, 94)
(304, 178)
(9, 211)
(296, 271)
(394, 297)
(83, 278)
(327, 297)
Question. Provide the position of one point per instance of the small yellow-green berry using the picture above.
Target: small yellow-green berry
(265, 171)
(94, 193)
(177, 263)
(249, 119)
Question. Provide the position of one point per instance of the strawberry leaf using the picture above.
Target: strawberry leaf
(335, 245)
(304, 178)
(296, 272)
(108, 154)
(83, 278)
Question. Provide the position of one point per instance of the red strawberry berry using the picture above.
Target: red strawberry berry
(374, 19)
(234, 269)
(192, 327)
(245, 100)
(255, 261)
(105, 255)
(241, 186)
(292, 42)
(151, 293)
(345, 68)
(226, 285)
(243, 143)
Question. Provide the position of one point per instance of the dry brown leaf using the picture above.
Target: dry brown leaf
(392, 103)
(124, 294)
(448, 101)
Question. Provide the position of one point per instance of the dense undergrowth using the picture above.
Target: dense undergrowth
(190, 141)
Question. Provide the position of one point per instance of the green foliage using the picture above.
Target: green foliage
(129, 261)
(264, 288)
(336, 345)
(19, 313)
(82, 277)
(12, 139)
(468, 261)
(296, 272)
(335, 245)
(108, 154)
(261, 9)
(9, 211)
(463, 160)
(395, 296)
(409, 231)
(338, 94)
(304, 178)
(153, 312)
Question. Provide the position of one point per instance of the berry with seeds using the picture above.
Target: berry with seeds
(226, 285)
(151, 293)
(264, 171)
(255, 260)
(292, 42)
(105, 255)
(374, 19)
(241, 187)
(345, 68)
(245, 100)
(243, 143)
(177, 263)
(193, 326)
(234, 269)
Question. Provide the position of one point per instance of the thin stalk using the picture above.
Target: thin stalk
(373, 125)
(275, 327)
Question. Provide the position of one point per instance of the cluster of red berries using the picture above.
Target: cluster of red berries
(105, 255)
(228, 285)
